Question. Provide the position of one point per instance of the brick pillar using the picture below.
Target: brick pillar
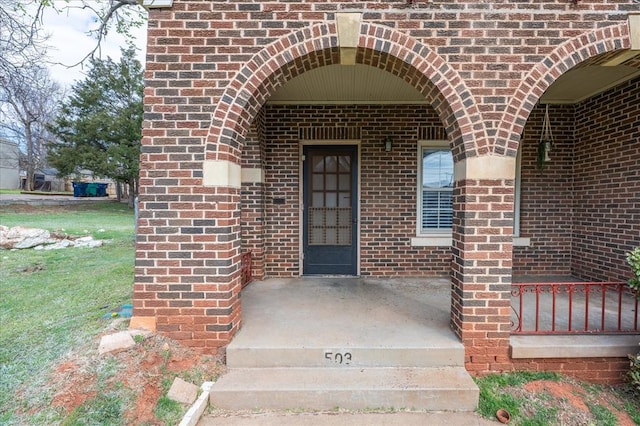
(482, 260)
(187, 278)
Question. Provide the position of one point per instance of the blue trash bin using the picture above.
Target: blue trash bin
(79, 189)
(102, 189)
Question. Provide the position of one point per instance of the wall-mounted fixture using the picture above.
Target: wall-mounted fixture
(388, 144)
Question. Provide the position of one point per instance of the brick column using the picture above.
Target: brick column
(482, 258)
(187, 279)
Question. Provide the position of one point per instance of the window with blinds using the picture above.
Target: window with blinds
(436, 194)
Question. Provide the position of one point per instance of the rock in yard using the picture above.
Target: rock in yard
(19, 237)
(59, 245)
(87, 242)
(116, 342)
(183, 392)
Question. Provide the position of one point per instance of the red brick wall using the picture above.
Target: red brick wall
(607, 183)
(546, 196)
(582, 212)
(594, 370)
(388, 187)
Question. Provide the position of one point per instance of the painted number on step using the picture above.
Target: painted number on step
(340, 358)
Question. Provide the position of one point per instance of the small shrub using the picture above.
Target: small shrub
(634, 371)
(633, 259)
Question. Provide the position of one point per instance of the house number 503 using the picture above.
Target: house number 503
(341, 358)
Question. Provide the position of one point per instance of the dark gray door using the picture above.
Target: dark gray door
(330, 210)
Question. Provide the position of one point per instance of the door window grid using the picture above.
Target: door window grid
(330, 213)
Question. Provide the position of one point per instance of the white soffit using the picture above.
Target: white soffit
(353, 84)
(581, 83)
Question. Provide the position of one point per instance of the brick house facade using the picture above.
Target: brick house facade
(221, 165)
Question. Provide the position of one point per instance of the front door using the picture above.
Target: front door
(330, 210)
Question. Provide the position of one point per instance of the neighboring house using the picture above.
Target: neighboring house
(387, 139)
(9, 165)
(46, 180)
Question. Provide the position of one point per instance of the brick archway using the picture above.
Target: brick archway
(317, 46)
(537, 81)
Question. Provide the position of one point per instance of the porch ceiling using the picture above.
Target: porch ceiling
(362, 84)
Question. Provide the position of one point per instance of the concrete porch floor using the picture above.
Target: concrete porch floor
(335, 312)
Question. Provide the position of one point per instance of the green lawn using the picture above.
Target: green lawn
(52, 301)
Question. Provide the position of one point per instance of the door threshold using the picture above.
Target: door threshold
(329, 276)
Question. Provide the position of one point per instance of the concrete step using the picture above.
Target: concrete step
(448, 355)
(432, 389)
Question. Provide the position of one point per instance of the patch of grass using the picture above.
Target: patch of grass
(492, 398)
(168, 410)
(101, 219)
(630, 398)
(542, 416)
(48, 310)
(104, 409)
(603, 416)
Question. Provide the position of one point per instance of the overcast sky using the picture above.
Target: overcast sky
(69, 43)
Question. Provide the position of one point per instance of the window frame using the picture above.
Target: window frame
(420, 232)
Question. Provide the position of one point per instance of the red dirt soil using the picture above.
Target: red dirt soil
(140, 369)
(576, 396)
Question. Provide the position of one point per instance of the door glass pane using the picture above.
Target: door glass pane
(332, 236)
(345, 164)
(317, 162)
(331, 199)
(317, 182)
(317, 199)
(344, 236)
(331, 165)
(344, 199)
(344, 217)
(345, 182)
(316, 236)
(331, 182)
(317, 217)
(332, 217)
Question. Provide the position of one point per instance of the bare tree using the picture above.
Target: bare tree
(28, 97)
(29, 103)
(22, 38)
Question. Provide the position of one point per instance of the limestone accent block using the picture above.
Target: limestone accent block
(144, 323)
(221, 173)
(116, 342)
(485, 167)
(252, 175)
(634, 30)
(183, 392)
(348, 34)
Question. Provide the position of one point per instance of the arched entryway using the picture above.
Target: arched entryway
(243, 119)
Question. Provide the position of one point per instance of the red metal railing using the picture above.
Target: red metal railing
(246, 261)
(574, 308)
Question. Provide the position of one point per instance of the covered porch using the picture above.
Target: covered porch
(381, 342)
